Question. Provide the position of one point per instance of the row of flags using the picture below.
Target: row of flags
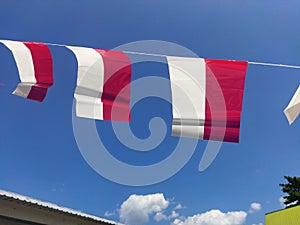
(207, 94)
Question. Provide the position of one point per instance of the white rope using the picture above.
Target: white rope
(275, 64)
(161, 55)
(147, 54)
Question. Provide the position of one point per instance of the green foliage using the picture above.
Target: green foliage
(292, 188)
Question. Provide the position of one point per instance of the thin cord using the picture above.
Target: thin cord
(161, 55)
(59, 45)
(147, 54)
(274, 64)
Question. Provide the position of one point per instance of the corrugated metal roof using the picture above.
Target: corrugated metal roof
(10, 196)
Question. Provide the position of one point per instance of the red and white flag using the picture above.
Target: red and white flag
(34, 63)
(103, 84)
(207, 97)
(293, 109)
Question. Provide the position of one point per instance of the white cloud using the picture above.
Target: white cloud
(109, 214)
(258, 224)
(214, 217)
(177, 221)
(160, 216)
(173, 215)
(137, 208)
(254, 207)
(179, 206)
(281, 200)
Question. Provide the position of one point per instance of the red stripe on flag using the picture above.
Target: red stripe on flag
(224, 84)
(37, 93)
(117, 75)
(42, 62)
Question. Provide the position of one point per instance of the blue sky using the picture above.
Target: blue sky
(39, 154)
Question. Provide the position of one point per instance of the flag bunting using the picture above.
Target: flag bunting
(207, 94)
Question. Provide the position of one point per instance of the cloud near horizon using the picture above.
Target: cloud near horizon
(109, 214)
(254, 207)
(137, 208)
(140, 209)
(214, 217)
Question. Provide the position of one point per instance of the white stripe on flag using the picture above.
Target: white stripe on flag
(293, 109)
(25, 66)
(90, 81)
(188, 79)
(23, 90)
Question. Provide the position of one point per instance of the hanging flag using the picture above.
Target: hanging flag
(293, 109)
(103, 80)
(34, 63)
(207, 97)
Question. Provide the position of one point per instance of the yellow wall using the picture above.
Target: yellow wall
(290, 216)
